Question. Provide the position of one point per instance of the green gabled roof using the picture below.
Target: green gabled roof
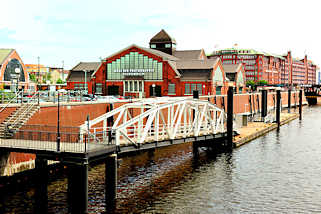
(4, 53)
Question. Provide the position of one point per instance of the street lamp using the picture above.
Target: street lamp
(154, 90)
(86, 88)
(38, 73)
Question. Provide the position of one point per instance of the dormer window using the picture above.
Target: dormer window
(153, 46)
(168, 45)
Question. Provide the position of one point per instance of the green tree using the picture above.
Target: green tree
(261, 82)
(32, 77)
(250, 83)
(59, 81)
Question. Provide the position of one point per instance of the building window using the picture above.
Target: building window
(171, 89)
(99, 88)
(187, 89)
(133, 86)
(190, 87)
(153, 46)
(167, 45)
(199, 89)
(218, 90)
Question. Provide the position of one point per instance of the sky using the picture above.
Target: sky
(66, 32)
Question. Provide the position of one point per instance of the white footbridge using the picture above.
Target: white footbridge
(157, 120)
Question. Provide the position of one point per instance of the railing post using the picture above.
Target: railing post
(38, 97)
(230, 118)
(87, 134)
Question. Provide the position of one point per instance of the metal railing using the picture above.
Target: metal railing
(10, 101)
(38, 137)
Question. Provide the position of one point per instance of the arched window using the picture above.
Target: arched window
(10, 69)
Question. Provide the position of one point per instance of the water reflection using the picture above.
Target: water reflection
(277, 173)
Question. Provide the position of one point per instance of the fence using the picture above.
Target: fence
(40, 137)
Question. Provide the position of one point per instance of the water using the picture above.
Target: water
(277, 173)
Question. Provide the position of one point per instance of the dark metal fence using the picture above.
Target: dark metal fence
(42, 137)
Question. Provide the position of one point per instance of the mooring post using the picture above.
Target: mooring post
(111, 182)
(278, 107)
(300, 104)
(230, 118)
(195, 144)
(78, 187)
(263, 104)
(41, 181)
(289, 100)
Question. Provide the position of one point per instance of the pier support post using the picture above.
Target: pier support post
(289, 101)
(278, 107)
(111, 182)
(41, 181)
(300, 104)
(78, 187)
(263, 104)
(195, 144)
(230, 118)
(195, 149)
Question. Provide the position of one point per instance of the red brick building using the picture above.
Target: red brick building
(275, 69)
(12, 70)
(160, 70)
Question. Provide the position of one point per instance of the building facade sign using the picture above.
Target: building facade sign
(134, 72)
(135, 64)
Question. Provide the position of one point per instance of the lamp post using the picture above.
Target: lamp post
(38, 73)
(153, 86)
(86, 88)
(16, 81)
(58, 127)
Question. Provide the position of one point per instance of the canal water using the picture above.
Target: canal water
(277, 173)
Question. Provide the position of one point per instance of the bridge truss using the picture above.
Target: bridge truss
(156, 119)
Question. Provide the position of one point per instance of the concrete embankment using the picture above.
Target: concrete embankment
(254, 130)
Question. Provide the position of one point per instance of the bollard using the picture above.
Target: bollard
(278, 107)
(289, 100)
(300, 104)
(230, 118)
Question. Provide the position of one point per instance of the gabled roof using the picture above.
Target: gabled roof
(4, 53)
(195, 64)
(79, 76)
(231, 68)
(198, 75)
(88, 66)
(161, 54)
(188, 54)
(162, 36)
(231, 71)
